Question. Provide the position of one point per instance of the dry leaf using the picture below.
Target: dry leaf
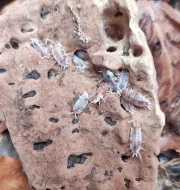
(161, 25)
(170, 141)
(12, 176)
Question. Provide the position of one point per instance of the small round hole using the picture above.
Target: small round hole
(125, 158)
(137, 51)
(7, 46)
(111, 49)
(14, 44)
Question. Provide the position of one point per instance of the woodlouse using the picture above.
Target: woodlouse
(59, 54)
(135, 139)
(100, 93)
(78, 62)
(82, 54)
(123, 81)
(81, 103)
(39, 47)
(136, 98)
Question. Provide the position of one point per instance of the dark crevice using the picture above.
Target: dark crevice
(75, 130)
(11, 83)
(42, 144)
(127, 184)
(110, 121)
(23, 30)
(137, 51)
(138, 179)
(63, 187)
(34, 107)
(14, 44)
(3, 3)
(44, 13)
(77, 159)
(33, 75)
(111, 49)
(29, 94)
(120, 169)
(118, 14)
(104, 132)
(3, 70)
(53, 120)
(125, 158)
(52, 74)
(75, 121)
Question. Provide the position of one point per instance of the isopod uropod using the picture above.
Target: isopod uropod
(39, 47)
(135, 139)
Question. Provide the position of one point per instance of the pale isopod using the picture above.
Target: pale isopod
(39, 47)
(135, 139)
(78, 62)
(100, 93)
(123, 81)
(59, 54)
(135, 98)
(81, 104)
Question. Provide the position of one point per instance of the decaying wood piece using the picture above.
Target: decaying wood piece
(56, 151)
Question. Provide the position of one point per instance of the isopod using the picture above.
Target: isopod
(82, 54)
(136, 98)
(109, 76)
(100, 93)
(135, 139)
(123, 81)
(59, 54)
(81, 104)
(78, 62)
(39, 47)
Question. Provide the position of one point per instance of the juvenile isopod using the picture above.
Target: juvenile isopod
(39, 47)
(81, 104)
(78, 62)
(59, 54)
(100, 93)
(135, 139)
(82, 54)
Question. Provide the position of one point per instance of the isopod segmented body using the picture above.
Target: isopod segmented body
(82, 54)
(123, 81)
(109, 76)
(39, 47)
(81, 103)
(100, 93)
(135, 139)
(78, 62)
(59, 54)
(135, 98)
